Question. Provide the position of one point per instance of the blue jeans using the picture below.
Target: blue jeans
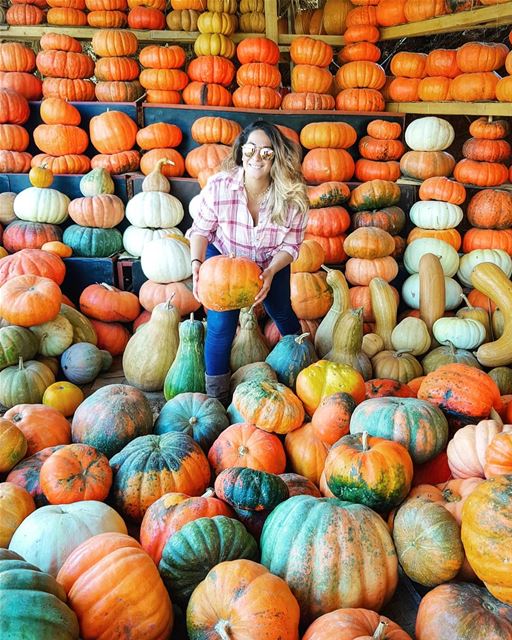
(221, 325)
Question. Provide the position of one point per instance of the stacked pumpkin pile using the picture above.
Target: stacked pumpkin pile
(106, 15)
(158, 141)
(26, 13)
(485, 162)
(428, 138)
(252, 18)
(206, 159)
(117, 79)
(311, 79)
(16, 64)
(147, 14)
(380, 151)
(162, 77)
(60, 139)
(38, 210)
(210, 75)
(408, 69)
(478, 62)
(329, 19)
(14, 112)
(113, 134)
(258, 77)
(95, 215)
(185, 13)
(66, 13)
(116, 46)
(360, 78)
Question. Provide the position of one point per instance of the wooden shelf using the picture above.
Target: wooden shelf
(452, 108)
(86, 33)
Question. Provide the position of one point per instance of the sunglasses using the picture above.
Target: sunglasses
(249, 149)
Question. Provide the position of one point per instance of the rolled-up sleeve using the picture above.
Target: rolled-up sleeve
(295, 236)
(206, 220)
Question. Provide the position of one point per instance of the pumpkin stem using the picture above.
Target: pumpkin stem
(494, 415)
(365, 441)
(242, 450)
(209, 493)
(379, 632)
(108, 287)
(192, 317)
(20, 364)
(300, 339)
(400, 352)
(168, 304)
(466, 300)
(222, 628)
(328, 269)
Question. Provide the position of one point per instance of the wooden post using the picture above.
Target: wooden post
(271, 26)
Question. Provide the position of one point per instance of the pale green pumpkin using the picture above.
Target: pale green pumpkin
(24, 383)
(96, 182)
(54, 336)
(16, 342)
(83, 331)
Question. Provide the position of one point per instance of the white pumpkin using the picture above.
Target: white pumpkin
(447, 255)
(135, 238)
(7, 207)
(41, 205)
(411, 334)
(469, 261)
(429, 134)
(48, 535)
(463, 333)
(431, 214)
(154, 209)
(193, 206)
(166, 260)
(411, 292)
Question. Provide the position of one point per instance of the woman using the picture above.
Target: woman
(256, 208)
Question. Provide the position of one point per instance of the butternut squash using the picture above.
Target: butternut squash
(347, 343)
(432, 291)
(489, 279)
(384, 307)
(340, 303)
(152, 349)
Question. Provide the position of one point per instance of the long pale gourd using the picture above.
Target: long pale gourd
(489, 279)
(347, 343)
(384, 307)
(432, 290)
(340, 303)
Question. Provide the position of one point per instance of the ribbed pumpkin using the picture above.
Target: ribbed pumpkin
(308, 542)
(42, 426)
(416, 424)
(150, 466)
(111, 417)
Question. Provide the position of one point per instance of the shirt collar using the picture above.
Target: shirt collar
(238, 179)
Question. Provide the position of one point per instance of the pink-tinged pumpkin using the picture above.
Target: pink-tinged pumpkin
(171, 512)
(26, 474)
(466, 450)
(16, 504)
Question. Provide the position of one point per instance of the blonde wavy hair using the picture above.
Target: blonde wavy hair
(288, 186)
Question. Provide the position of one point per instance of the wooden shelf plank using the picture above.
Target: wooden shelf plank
(86, 33)
(452, 108)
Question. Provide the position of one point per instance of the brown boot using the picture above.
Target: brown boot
(218, 387)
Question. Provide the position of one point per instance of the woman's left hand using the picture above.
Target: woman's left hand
(266, 276)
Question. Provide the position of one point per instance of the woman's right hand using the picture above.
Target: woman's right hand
(195, 278)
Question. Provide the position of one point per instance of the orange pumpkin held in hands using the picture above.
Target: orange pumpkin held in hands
(228, 282)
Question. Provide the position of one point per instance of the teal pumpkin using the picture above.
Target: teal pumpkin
(150, 466)
(197, 547)
(332, 554)
(290, 355)
(196, 414)
(234, 416)
(90, 242)
(26, 474)
(82, 362)
(418, 425)
(250, 489)
(24, 383)
(15, 343)
(96, 182)
(111, 417)
(187, 370)
(33, 603)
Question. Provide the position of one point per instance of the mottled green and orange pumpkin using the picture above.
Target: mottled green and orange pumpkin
(111, 417)
(171, 512)
(418, 425)
(250, 489)
(331, 553)
(371, 471)
(150, 466)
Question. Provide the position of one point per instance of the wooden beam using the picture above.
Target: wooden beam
(271, 20)
(452, 108)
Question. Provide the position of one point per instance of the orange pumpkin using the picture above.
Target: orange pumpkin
(441, 188)
(42, 426)
(107, 303)
(112, 132)
(28, 300)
